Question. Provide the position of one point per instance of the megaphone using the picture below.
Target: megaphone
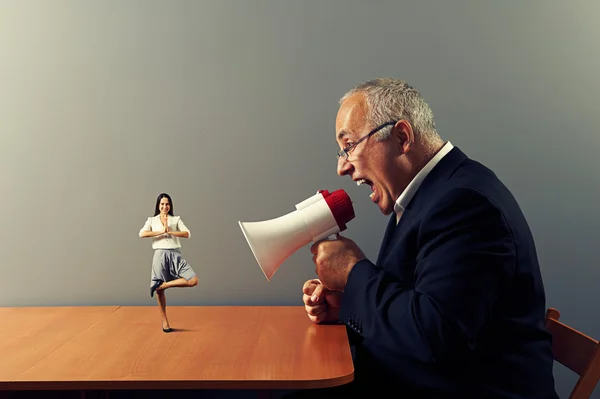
(273, 241)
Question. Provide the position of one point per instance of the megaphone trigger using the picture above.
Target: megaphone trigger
(332, 237)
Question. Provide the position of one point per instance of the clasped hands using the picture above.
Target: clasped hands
(166, 229)
(333, 259)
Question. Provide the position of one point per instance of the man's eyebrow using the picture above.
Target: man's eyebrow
(342, 133)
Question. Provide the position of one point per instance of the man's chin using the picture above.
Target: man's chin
(386, 211)
(383, 205)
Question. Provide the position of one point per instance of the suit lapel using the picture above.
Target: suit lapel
(389, 232)
(441, 172)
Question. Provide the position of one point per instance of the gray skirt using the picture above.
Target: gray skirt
(167, 265)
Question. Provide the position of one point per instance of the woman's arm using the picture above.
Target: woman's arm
(183, 234)
(151, 233)
(183, 230)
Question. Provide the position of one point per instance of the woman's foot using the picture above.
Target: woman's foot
(155, 287)
(162, 287)
(165, 327)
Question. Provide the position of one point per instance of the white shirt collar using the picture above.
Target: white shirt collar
(413, 186)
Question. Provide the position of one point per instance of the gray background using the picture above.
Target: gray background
(229, 106)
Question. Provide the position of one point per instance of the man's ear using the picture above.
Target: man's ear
(403, 135)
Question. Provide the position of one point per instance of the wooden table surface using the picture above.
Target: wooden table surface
(211, 347)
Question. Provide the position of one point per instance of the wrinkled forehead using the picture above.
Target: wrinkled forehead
(351, 118)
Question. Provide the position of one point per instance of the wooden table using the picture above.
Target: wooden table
(211, 347)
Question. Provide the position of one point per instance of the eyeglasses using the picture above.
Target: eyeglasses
(345, 152)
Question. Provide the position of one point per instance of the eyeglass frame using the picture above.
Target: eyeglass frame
(352, 146)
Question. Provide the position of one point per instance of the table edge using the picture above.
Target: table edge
(140, 384)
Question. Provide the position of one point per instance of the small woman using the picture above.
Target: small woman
(169, 268)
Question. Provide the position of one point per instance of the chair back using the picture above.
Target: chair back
(577, 351)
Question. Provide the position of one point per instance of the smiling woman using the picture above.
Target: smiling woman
(169, 268)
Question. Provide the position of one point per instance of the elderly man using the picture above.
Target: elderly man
(454, 305)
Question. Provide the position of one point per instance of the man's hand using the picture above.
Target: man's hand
(334, 259)
(322, 304)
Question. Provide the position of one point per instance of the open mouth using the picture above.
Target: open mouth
(369, 183)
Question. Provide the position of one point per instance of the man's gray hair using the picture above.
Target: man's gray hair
(392, 100)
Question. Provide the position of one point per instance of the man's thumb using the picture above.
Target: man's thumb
(317, 293)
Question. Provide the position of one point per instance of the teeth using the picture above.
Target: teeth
(361, 181)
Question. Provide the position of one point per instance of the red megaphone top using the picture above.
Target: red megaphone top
(340, 205)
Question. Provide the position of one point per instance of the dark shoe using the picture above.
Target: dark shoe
(154, 287)
(167, 330)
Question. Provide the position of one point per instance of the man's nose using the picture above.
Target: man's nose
(342, 166)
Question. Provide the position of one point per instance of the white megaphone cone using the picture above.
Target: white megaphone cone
(273, 241)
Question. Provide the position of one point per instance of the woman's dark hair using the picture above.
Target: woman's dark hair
(161, 196)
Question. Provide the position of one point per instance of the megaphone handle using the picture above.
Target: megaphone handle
(328, 233)
(330, 237)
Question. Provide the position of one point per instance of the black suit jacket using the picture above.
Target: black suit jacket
(454, 306)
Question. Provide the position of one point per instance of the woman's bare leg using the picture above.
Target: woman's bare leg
(162, 305)
(180, 282)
